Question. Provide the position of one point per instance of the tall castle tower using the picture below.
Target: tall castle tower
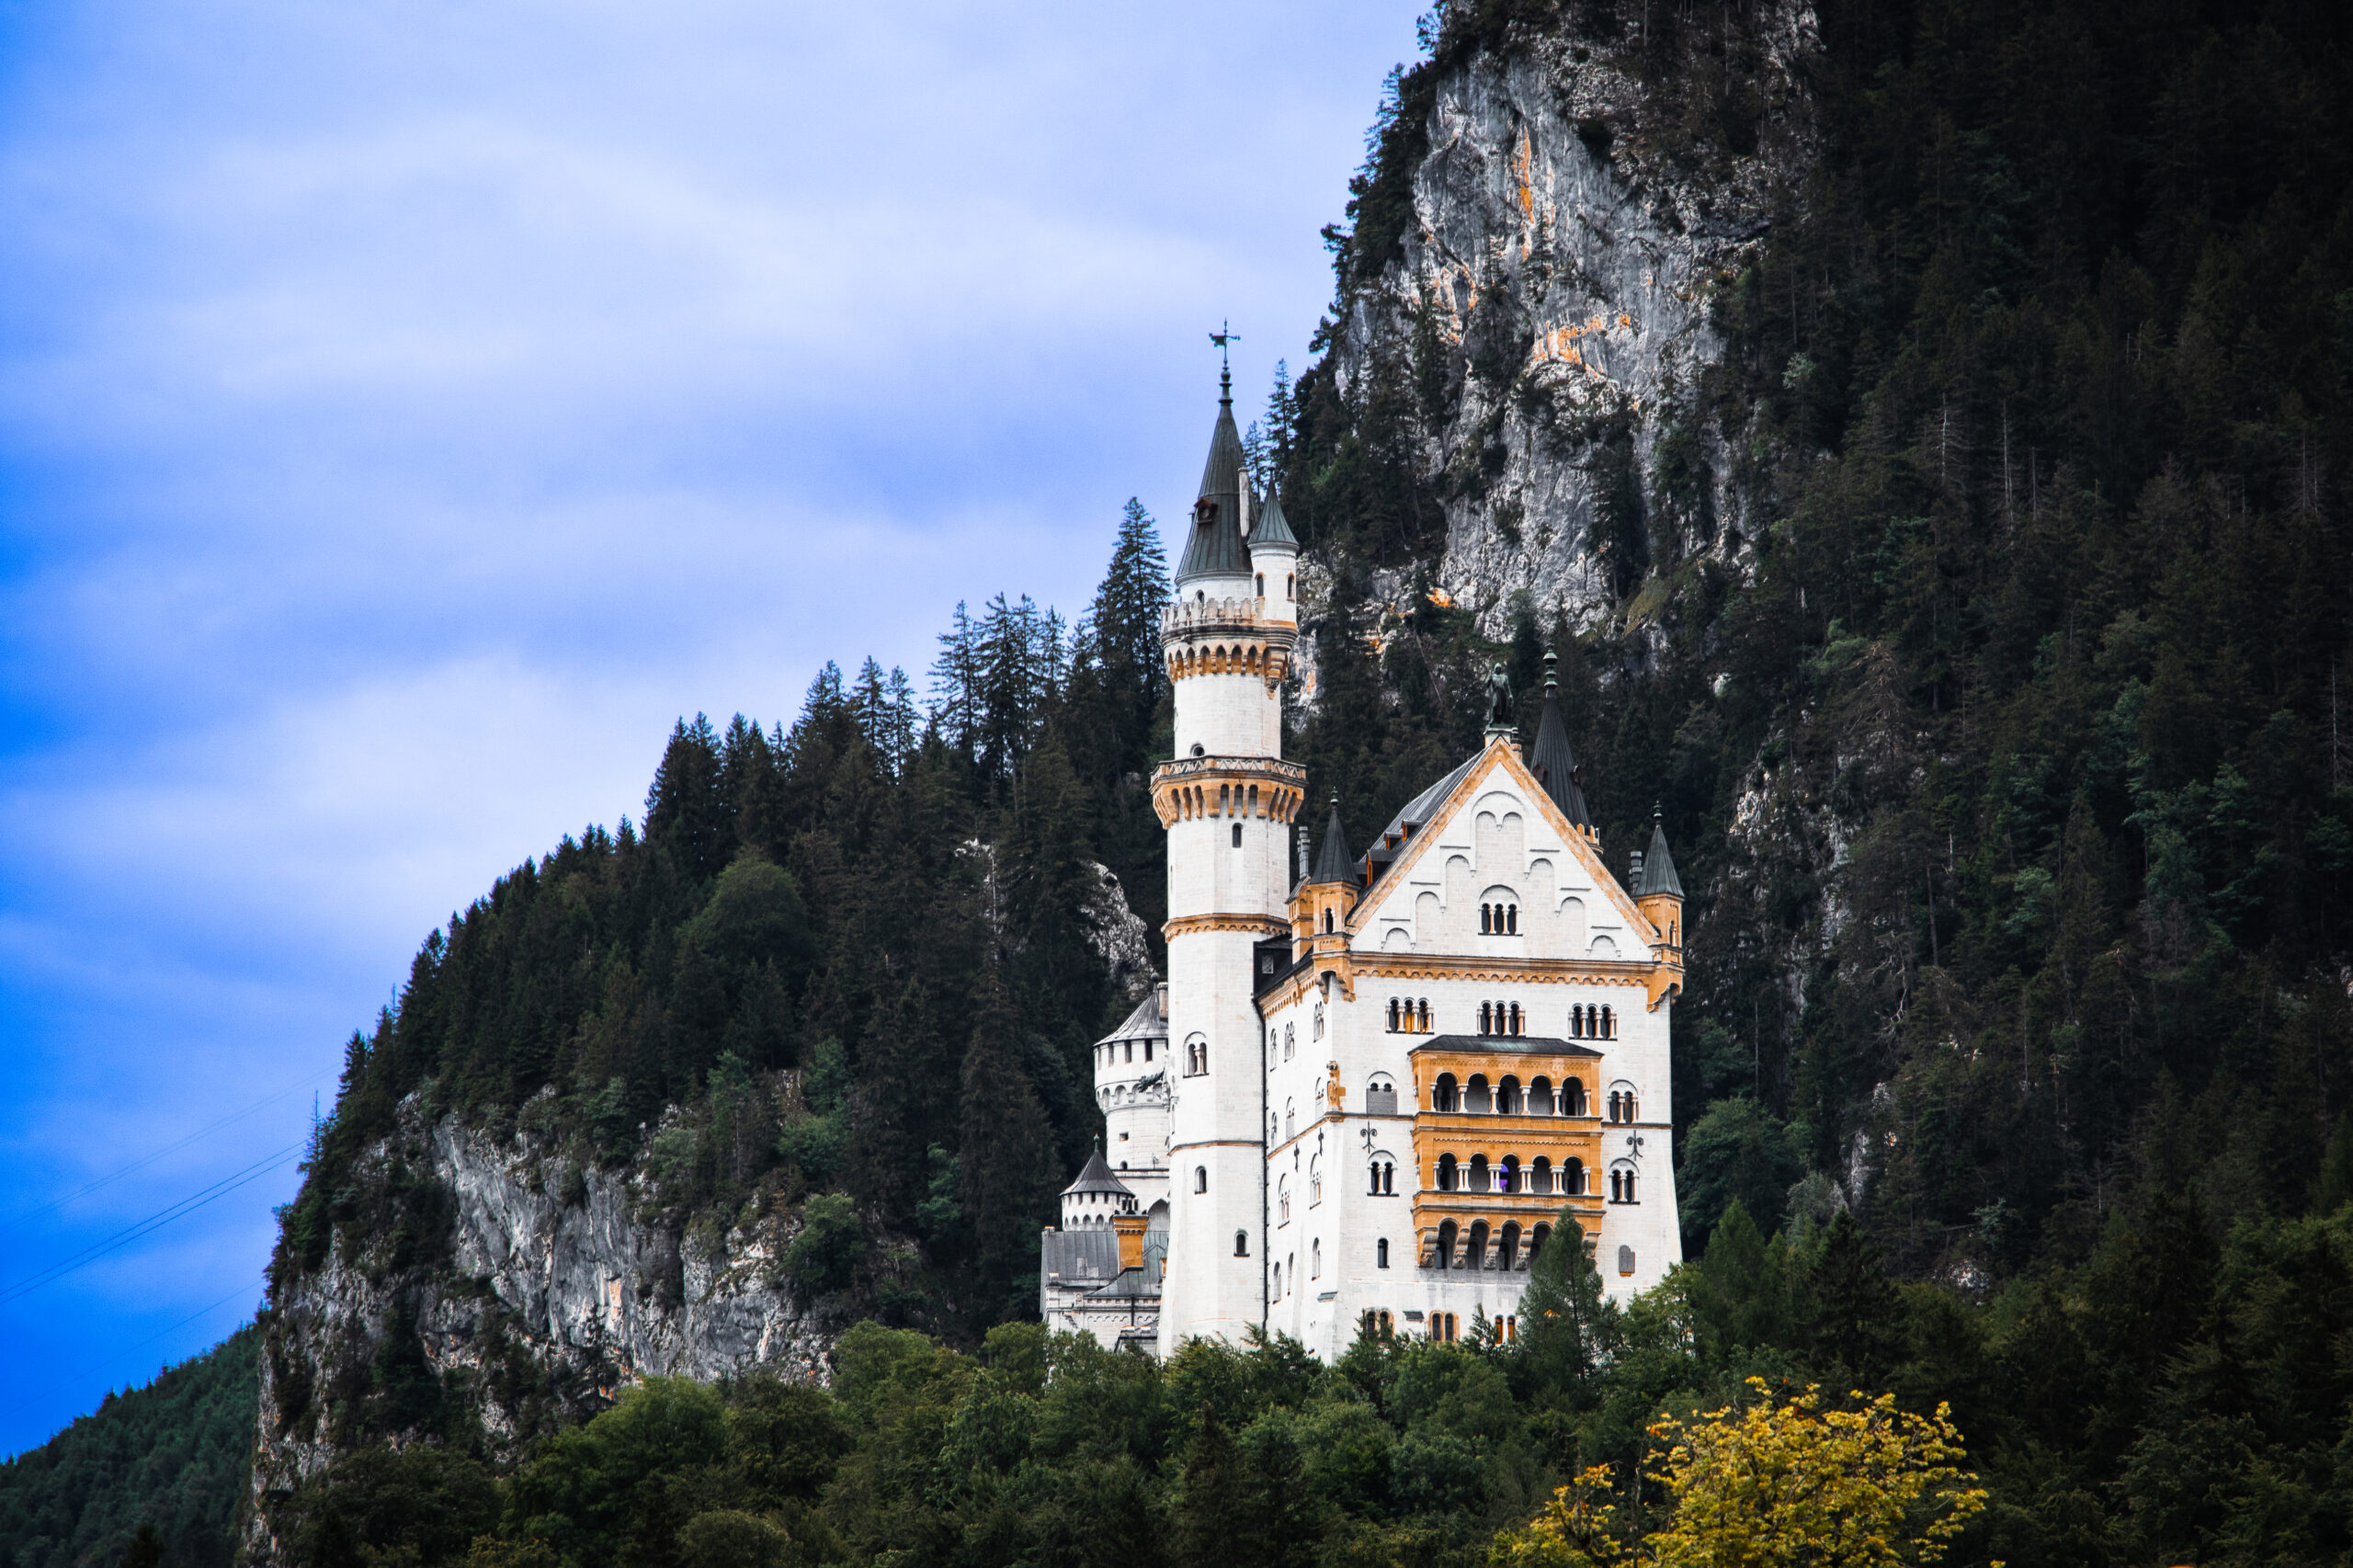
(1227, 799)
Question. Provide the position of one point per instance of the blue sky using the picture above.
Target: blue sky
(407, 411)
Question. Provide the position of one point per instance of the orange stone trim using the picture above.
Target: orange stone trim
(1192, 925)
(1236, 787)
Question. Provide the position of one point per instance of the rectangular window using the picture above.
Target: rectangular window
(1237, 835)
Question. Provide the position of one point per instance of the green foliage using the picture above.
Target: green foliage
(1736, 1153)
(155, 1472)
(824, 1256)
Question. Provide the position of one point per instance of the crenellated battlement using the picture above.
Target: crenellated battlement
(1261, 786)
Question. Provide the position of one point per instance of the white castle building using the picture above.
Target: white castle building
(1393, 1072)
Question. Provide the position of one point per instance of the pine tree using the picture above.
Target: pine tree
(687, 813)
(1004, 1152)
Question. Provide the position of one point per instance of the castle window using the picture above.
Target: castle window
(1282, 1202)
(1290, 1041)
(1539, 1175)
(1319, 1020)
(1242, 1244)
(1381, 1096)
(1475, 1098)
(1479, 1178)
(1486, 918)
(1446, 1233)
(1425, 1016)
(1131, 1048)
(1314, 1182)
(1507, 1175)
(1509, 1246)
(1625, 1260)
(1291, 1117)
(1474, 1250)
(1573, 1178)
(1327, 920)
(1147, 1051)
(1201, 1178)
(1515, 1019)
(1622, 1184)
(1539, 1097)
(1511, 918)
(1392, 1015)
(1486, 1018)
(1536, 1239)
(1262, 585)
(1446, 1173)
(1508, 1101)
(1315, 1259)
(1279, 1282)
(1573, 1096)
(1443, 1094)
(1288, 580)
(1576, 1022)
(1381, 1260)
(1609, 1024)
(1237, 835)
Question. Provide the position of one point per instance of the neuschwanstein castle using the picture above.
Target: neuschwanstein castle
(1373, 1084)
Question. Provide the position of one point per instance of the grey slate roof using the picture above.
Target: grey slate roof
(1145, 1022)
(1552, 761)
(1658, 866)
(1079, 1257)
(1097, 1177)
(1333, 862)
(1215, 546)
(1268, 529)
(1530, 1044)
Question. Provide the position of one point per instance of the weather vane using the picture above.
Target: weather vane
(1221, 336)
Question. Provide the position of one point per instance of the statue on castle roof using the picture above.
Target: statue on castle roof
(1499, 699)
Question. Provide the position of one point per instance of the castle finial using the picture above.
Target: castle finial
(1551, 671)
(1221, 336)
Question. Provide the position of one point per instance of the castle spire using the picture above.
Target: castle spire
(1214, 547)
(1334, 864)
(1555, 764)
(1658, 866)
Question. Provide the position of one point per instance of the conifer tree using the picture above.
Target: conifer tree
(1005, 1155)
(686, 810)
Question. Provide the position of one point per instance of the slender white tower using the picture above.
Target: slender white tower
(1227, 799)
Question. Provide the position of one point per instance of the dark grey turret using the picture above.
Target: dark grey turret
(1658, 866)
(1334, 863)
(1215, 547)
(1554, 765)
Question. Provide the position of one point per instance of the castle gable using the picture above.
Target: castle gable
(1495, 849)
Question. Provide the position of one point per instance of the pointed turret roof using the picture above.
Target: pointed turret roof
(1658, 866)
(1554, 765)
(1270, 530)
(1334, 863)
(1097, 1177)
(1214, 547)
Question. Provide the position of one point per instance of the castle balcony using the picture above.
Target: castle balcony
(1226, 637)
(1193, 787)
(1209, 618)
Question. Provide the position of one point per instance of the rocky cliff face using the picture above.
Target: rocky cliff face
(524, 1287)
(1549, 309)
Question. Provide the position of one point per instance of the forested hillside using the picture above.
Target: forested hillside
(152, 1477)
(1978, 612)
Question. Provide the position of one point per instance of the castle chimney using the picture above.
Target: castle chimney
(1634, 872)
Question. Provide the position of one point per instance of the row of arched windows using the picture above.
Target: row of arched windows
(1507, 1097)
(1500, 1019)
(1508, 1175)
(1499, 920)
(1384, 1180)
(1621, 1105)
(1407, 1016)
(1622, 1184)
(1592, 1021)
(1481, 1247)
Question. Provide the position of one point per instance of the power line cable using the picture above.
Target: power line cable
(200, 1133)
(116, 1356)
(161, 1217)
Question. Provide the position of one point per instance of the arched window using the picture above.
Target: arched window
(1242, 1244)
(1625, 1260)
(1539, 1175)
(1609, 1024)
(1274, 1134)
(1443, 1094)
(1381, 1096)
(1237, 835)
(1290, 1040)
(1288, 579)
(1327, 920)
(1485, 1019)
(1446, 1173)
(1478, 1182)
(1201, 1178)
(1573, 1178)
(1319, 1020)
(1474, 1250)
(1279, 1282)
(1486, 918)
(1507, 1175)
(1314, 1181)
(1394, 1011)
(1571, 1097)
(1509, 1245)
(1475, 1097)
(1535, 1240)
(1315, 1259)
(1425, 1016)
(1515, 1019)
(1291, 1117)
(1511, 918)
(1381, 1260)
(1540, 1095)
(1446, 1233)
(1282, 1202)
(1262, 585)
(1507, 1097)
(1196, 1056)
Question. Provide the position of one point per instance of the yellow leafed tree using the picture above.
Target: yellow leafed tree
(1780, 1482)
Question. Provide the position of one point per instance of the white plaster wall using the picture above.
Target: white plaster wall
(1228, 714)
(1280, 570)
